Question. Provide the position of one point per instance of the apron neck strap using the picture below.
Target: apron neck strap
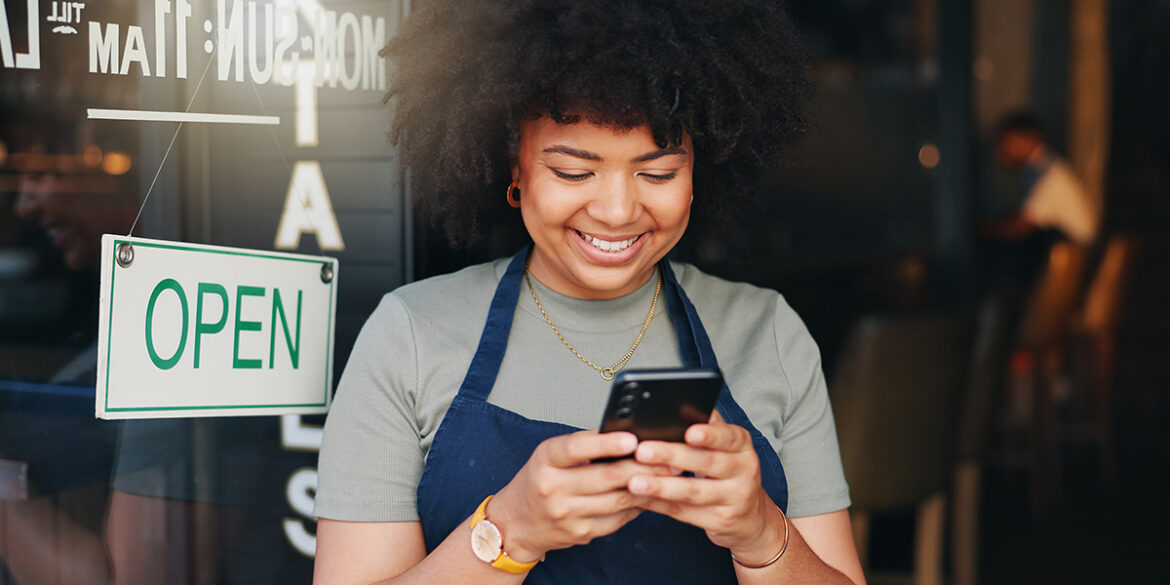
(485, 366)
(693, 344)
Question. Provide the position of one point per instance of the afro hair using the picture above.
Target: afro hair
(467, 74)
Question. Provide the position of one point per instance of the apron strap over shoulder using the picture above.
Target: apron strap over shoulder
(485, 366)
(695, 345)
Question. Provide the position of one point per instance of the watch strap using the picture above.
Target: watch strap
(506, 564)
(503, 562)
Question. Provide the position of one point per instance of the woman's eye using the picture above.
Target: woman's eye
(654, 178)
(571, 176)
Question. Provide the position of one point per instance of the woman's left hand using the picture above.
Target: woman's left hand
(725, 498)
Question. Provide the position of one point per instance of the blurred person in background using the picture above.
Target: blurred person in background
(74, 193)
(1054, 205)
(73, 204)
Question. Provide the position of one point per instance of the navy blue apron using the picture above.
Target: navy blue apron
(479, 447)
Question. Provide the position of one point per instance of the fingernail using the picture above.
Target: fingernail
(638, 484)
(699, 434)
(628, 442)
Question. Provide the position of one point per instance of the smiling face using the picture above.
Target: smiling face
(74, 209)
(602, 205)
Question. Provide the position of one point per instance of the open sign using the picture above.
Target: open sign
(192, 330)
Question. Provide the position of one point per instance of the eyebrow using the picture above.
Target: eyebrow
(661, 152)
(586, 155)
(560, 149)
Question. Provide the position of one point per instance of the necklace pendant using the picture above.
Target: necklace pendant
(609, 373)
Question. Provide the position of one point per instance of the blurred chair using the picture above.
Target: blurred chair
(896, 394)
(1092, 347)
(1046, 319)
(1035, 378)
(992, 344)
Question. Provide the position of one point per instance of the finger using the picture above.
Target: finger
(604, 525)
(716, 418)
(719, 436)
(596, 505)
(684, 457)
(685, 490)
(604, 477)
(679, 511)
(611, 523)
(583, 446)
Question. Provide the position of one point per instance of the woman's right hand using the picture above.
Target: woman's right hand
(559, 499)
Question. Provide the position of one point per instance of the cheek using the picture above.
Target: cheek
(675, 207)
(545, 205)
(684, 220)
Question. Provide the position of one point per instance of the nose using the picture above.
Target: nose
(616, 202)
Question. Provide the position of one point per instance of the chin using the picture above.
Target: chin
(612, 279)
(79, 260)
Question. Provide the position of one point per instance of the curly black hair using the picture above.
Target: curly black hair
(1023, 121)
(467, 74)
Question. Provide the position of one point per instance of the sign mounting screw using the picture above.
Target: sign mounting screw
(125, 254)
(326, 272)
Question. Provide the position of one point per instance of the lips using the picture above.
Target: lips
(611, 251)
(608, 245)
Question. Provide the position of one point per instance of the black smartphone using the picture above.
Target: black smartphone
(659, 405)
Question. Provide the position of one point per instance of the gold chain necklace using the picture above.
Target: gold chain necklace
(606, 373)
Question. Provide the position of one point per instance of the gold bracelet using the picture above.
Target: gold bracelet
(773, 559)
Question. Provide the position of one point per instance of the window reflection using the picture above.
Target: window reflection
(224, 500)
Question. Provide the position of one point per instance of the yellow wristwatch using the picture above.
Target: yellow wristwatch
(488, 544)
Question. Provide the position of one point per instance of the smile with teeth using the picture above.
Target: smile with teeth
(607, 246)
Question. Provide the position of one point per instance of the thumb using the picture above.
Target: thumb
(715, 417)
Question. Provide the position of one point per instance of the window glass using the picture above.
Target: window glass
(253, 124)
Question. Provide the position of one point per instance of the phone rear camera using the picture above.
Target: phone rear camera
(624, 412)
(627, 400)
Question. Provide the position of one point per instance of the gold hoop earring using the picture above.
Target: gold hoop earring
(513, 195)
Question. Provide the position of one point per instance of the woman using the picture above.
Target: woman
(454, 451)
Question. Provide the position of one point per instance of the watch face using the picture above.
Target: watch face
(486, 542)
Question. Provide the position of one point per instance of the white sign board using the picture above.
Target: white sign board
(190, 330)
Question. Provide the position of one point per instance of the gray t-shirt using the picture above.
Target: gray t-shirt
(412, 354)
